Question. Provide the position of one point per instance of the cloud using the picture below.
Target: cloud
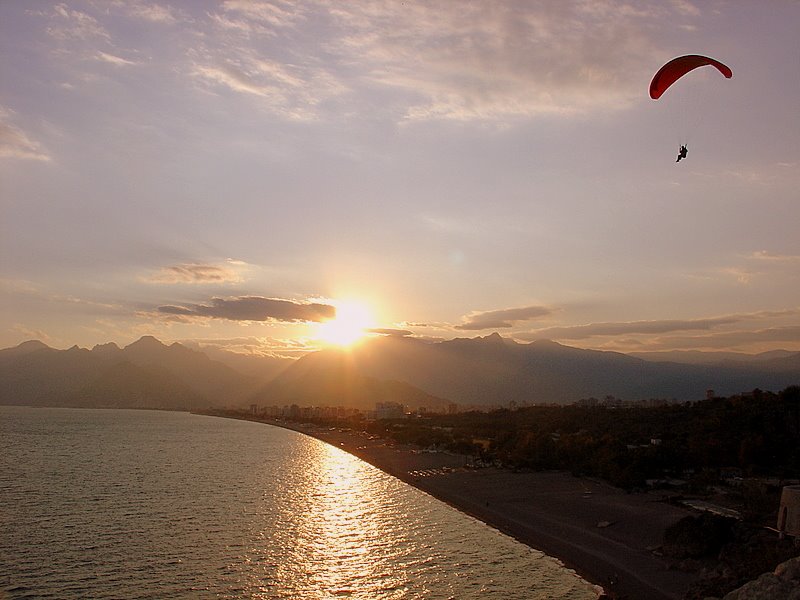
(154, 13)
(253, 346)
(743, 276)
(195, 273)
(484, 61)
(233, 78)
(503, 319)
(391, 332)
(582, 332)
(490, 60)
(728, 339)
(686, 7)
(291, 91)
(769, 257)
(29, 293)
(253, 308)
(15, 143)
(114, 60)
(75, 25)
(653, 327)
(18, 286)
(274, 14)
(33, 333)
(758, 264)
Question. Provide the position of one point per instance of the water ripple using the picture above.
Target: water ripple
(138, 504)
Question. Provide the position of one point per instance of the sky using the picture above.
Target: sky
(237, 173)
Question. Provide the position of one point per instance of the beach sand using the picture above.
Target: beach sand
(604, 534)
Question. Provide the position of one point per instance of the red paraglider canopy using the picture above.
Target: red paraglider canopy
(678, 67)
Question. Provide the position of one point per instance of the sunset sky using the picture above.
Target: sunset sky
(233, 171)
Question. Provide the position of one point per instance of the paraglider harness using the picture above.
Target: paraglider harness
(682, 152)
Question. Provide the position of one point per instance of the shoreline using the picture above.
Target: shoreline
(603, 534)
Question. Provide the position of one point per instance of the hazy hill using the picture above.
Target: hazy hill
(712, 358)
(330, 378)
(125, 385)
(34, 374)
(261, 368)
(487, 370)
(493, 370)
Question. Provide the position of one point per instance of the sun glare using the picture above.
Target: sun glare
(351, 323)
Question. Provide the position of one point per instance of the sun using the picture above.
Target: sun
(352, 322)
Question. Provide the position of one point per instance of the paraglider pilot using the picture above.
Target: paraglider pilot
(682, 153)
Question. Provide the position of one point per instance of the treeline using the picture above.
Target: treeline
(754, 434)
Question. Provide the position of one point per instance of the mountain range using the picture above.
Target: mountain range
(482, 371)
(145, 374)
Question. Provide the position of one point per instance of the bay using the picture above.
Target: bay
(151, 504)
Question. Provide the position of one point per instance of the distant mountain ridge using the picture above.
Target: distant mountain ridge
(145, 374)
(710, 358)
(489, 370)
(330, 378)
(493, 370)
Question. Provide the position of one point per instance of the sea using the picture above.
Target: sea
(154, 504)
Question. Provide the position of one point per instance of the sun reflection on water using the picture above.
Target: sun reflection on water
(340, 545)
(218, 509)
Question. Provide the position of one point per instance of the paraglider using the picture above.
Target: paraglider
(678, 67)
(675, 70)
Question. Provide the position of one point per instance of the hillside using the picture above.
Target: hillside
(493, 370)
(145, 373)
(330, 378)
(482, 371)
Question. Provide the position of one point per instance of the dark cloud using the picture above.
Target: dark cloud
(254, 308)
(729, 339)
(392, 332)
(503, 319)
(581, 332)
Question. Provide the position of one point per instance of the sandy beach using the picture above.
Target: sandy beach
(609, 537)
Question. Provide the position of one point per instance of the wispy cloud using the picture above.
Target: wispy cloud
(747, 269)
(503, 319)
(769, 257)
(155, 13)
(252, 346)
(789, 334)
(33, 293)
(483, 61)
(253, 308)
(197, 273)
(117, 61)
(15, 143)
(69, 24)
(273, 14)
(650, 334)
(498, 60)
(33, 334)
(288, 90)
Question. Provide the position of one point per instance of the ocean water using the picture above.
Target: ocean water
(147, 504)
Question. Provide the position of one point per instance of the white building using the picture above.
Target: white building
(789, 512)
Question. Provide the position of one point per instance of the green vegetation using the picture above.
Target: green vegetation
(752, 435)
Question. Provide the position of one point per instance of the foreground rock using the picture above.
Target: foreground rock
(782, 584)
